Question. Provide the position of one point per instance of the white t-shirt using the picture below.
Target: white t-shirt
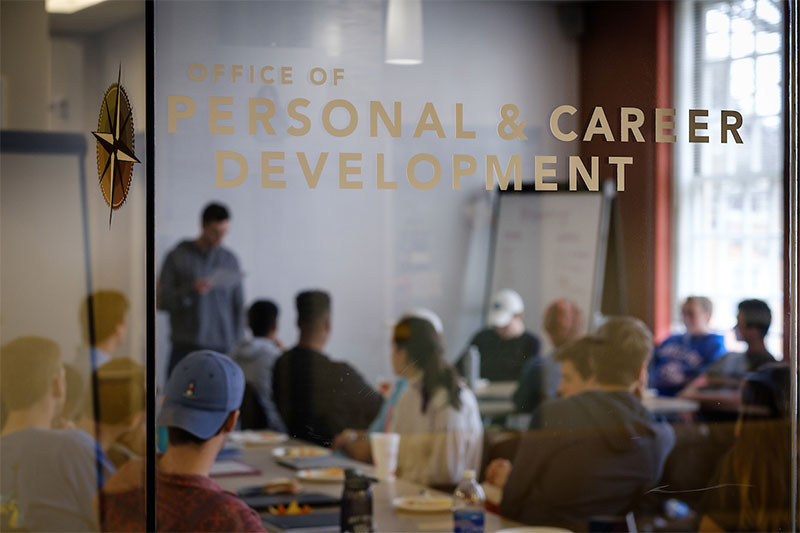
(438, 445)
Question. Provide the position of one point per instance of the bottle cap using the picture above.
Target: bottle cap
(468, 474)
(354, 480)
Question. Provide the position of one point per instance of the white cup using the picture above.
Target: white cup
(384, 454)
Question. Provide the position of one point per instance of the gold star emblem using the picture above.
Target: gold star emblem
(115, 156)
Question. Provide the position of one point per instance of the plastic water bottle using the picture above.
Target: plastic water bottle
(468, 505)
(473, 366)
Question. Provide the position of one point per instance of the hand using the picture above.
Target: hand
(497, 472)
(344, 438)
(203, 285)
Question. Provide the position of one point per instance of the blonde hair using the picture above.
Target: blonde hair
(108, 312)
(702, 302)
(628, 346)
(28, 366)
(120, 391)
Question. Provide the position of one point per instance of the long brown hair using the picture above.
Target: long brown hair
(760, 459)
(424, 349)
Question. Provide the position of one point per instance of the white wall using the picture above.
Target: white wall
(377, 252)
(25, 76)
(42, 258)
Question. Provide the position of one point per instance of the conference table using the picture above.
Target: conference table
(494, 401)
(386, 517)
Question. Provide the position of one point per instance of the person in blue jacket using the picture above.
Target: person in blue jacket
(683, 357)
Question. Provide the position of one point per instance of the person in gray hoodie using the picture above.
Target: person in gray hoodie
(257, 355)
(597, 452)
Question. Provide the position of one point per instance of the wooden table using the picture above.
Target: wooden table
(385, 516)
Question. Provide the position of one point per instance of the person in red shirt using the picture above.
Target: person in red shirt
(201, 406)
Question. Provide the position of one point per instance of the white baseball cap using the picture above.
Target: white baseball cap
(505, 305)
(425, 314)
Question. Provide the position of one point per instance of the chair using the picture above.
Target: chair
(251, 413)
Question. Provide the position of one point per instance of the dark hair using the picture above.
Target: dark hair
(424, 349)
(582, 353)
(262, 317)
(312, 308)
(760, 458)
(215, 212)
(756, 314)
(765, 393)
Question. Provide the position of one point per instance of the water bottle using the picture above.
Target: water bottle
(356, 514)
(473, 366)
(468, 505)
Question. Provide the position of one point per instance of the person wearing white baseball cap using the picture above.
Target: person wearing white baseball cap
(505, 345)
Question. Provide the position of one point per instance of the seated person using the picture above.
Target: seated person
(575, 362)
(718, 387)
(121, 403)
(751, 490)
(356, 443)
(593, 453)
(539, 381)
(201, 405)
(316, 397)
(109, 311)
(505, 345)
(683, 357)
(437, 417)
(257, 357)
(48, 478)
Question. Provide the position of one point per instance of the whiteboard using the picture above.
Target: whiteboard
(550, 245)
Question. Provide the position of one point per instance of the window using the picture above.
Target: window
(729, 238)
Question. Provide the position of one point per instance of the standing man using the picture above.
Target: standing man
(201, 288)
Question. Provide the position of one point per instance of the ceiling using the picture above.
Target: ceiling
(97, 18)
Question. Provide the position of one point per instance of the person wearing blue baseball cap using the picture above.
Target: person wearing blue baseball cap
(201, 406)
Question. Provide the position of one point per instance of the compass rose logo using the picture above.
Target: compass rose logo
(115, 156)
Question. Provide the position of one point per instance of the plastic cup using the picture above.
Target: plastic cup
(384, 454)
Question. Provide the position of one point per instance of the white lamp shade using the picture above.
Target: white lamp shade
(404, 32)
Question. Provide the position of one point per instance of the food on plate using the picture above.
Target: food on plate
(294, 452)
(256, 438)
(293, 508)
(322, 474)
(282, 486)
(423, 504)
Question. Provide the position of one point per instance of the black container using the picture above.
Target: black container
(356, 513)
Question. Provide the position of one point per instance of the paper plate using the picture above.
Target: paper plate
(298, 452)
(322, 475)
(423, 504)
(257, 438)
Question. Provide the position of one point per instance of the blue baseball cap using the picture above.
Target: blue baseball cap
(204, 387)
